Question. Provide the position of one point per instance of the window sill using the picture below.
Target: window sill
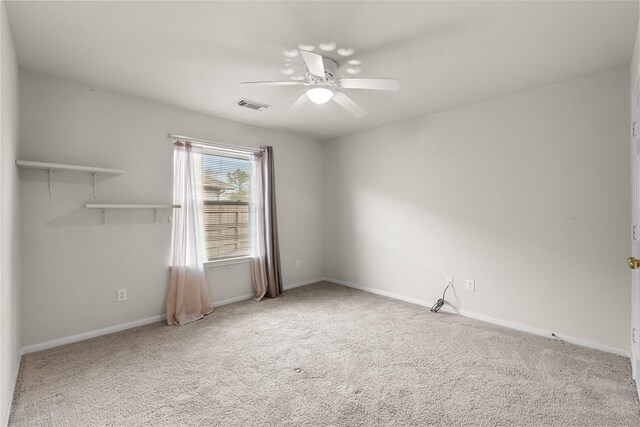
(226, 261)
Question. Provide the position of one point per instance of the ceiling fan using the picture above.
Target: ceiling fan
(323, 84)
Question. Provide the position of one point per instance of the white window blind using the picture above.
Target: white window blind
(226, 203)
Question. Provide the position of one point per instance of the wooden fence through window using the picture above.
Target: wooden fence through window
(226, 227)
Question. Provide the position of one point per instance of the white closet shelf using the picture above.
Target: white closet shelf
(62, 167)
(55, 167)
(106, 206)
(128, 206)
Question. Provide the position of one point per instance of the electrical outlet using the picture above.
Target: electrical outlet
(449, 280)
(471, 285)
(299, 263)
(122, 295)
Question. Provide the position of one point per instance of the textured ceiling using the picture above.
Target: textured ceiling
(444, 54)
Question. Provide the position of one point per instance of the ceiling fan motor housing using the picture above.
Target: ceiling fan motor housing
(330, 68)
(330, 72)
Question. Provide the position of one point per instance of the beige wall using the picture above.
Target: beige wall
(9, 221)
(73, 264)
(528, 195)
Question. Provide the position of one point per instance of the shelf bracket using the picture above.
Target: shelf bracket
(155, 213)
(51, 182)
(95, 185)
(104, 215)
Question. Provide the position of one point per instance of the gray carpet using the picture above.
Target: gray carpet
(324, 355)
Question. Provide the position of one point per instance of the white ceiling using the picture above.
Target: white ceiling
(444, 54)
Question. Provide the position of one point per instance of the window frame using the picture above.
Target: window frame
(233, 258)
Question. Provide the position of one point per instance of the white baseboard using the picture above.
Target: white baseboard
(384, 293)
(123, 326)
(545, 333)
(232, 300)
(488, 319)
(297, 285)
(91, 334)
(249, 296)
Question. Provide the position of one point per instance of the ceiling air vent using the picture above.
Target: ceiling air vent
(254, 105)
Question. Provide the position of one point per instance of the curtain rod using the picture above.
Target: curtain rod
(222, 147)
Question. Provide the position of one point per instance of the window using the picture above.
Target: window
(227, 179)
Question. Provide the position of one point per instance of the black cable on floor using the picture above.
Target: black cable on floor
(438, 305)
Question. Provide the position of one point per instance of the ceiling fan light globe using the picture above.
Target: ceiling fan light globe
(346, 51)
(290, 53)
(319, 95)
(327, 47)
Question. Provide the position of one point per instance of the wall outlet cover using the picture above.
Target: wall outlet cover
(471, 285)
(121, 296)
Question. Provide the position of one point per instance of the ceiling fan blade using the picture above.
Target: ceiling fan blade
(299, 103)
(375, 84)
(348, 104)
(283, 83)
(314, 63)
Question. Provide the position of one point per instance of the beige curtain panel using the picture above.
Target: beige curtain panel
(265, 264)
(188, 298)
